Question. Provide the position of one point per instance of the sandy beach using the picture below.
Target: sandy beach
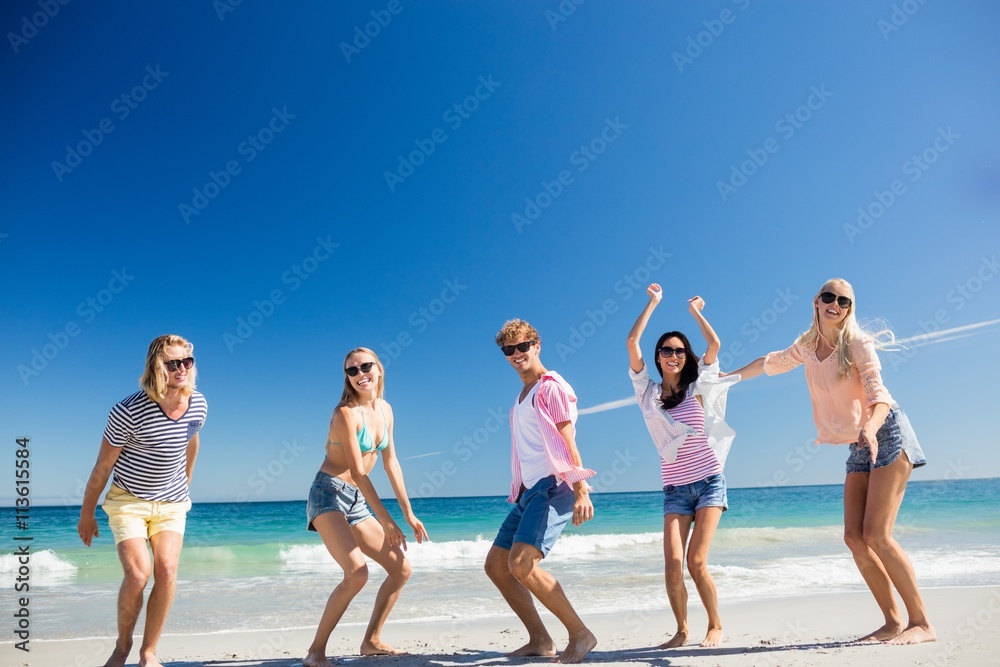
(808, 630)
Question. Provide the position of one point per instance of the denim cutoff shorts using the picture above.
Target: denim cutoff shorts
(539, 516)
(332, 494)
(687, 499)
(895, 436)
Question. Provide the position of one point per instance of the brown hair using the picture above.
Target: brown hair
(514, 329)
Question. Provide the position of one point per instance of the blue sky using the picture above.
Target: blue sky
(279, 186)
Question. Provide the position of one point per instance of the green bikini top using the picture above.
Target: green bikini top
(365, 438)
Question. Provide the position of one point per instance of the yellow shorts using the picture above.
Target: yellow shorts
(129, 516)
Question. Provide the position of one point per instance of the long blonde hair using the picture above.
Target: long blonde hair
(153, 380)
(350, 395)
(849, 330)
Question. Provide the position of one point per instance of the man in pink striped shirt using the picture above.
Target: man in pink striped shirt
(548, 489)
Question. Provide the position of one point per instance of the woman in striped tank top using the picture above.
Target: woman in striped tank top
(685, 417)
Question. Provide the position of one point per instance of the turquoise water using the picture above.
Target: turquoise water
(259, 556)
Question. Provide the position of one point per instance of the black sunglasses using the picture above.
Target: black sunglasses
(174, 364)
(829, 297)
(365, 367)
(508, 350)
(667, 352)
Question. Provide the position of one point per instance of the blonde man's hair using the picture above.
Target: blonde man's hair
(154, 377)
(849, 330)
(514, 329)
(350, 395)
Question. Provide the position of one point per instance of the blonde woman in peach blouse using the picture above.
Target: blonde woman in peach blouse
(852, 407)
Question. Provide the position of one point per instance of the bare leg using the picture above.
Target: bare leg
(675, 536)
(135, 563)
(371, 539)
(869, 564)
(519, 598)
(339, 540)
(886, 487)
(524, 565)
(705, 523)
(166, 553)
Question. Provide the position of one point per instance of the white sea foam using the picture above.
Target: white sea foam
(46, 568)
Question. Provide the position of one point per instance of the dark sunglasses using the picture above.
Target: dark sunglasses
(667, 352)
(829, 297)
(174, 364)
(508, 350)
(365, 367)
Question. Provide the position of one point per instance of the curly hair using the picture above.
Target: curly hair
(514, 329)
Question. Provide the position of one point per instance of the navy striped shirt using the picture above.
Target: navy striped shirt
(152, 463)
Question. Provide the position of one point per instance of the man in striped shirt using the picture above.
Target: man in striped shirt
(150, 445)
(548, 490)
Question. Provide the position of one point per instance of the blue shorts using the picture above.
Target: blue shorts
(332, 494)
(539, 516)
(687, 499)
(895, 436)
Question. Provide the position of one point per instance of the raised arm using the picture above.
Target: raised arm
(751, 370)
(344, 429)
(395, 474)
(634, 352)
(695, 305)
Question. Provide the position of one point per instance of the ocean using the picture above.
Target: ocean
(254, 565)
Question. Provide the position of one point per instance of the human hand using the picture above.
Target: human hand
(869, 437)
(419, 532)
(394, 535)
(655, 292)
(87, 528)
(695, 304)
(583, 509)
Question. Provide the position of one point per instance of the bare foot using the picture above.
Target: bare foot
(713, 638)
(578, 647)
(316, 660)
(149, 660)
(915, 634)
(119, 656)
(676, 640)
(543, 647)
(887, 631)
(378, 647)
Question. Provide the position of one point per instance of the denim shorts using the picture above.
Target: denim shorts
(687, 499)
(332, 494)
(539, 516)
(895, 436)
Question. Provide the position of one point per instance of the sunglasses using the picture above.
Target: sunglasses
(667, 352)
(830, 297)
(508, 350)
(365, 367)
(175, 364)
